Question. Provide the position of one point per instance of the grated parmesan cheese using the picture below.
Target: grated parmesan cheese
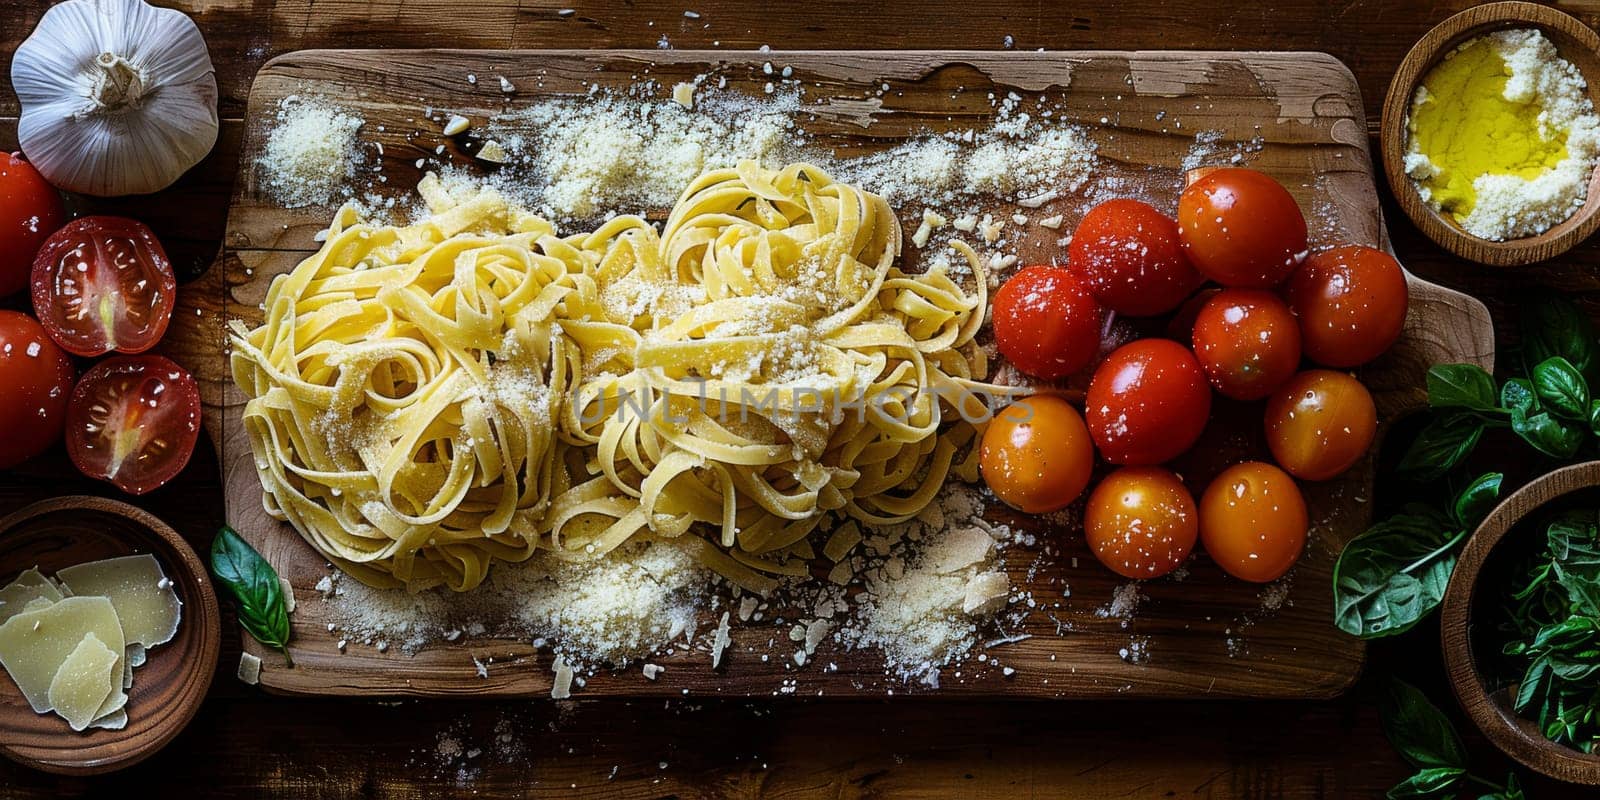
(310, 156)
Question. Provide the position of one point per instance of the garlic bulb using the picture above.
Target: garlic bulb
(118, 96)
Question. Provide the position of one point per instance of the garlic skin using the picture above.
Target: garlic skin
(118, 96)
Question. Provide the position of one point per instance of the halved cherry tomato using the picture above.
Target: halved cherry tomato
(102, 284)
(1253, 521)
(1047, 323)
(1240, 227)
(133, 421)
(1351, 302)
(1247, 342)
(1036, 454)
(1147, 402)
(1141, 522)
(1320, 424)
(37, 377)
(1129, 255)
(30, 210)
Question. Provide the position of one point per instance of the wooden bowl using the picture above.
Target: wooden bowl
(1575, 41)
(167, 690)
(1516, 736)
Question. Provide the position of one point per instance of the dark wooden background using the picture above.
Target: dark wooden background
(245, 743)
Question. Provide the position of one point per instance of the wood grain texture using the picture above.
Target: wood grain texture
(167, 691)
(1207, 635)
(1576, 41)
(1515, 735)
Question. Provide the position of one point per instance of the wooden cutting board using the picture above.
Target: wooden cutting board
(1299, 117)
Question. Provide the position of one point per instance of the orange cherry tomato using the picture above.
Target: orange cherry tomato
(1351, 303)
(1253, 521)
(1129, 255)
(1046, 322)
(1141, 522)
(1147, 402)
(1036, 454)
(1247, 342)
(1320, 424)
(1240, 227)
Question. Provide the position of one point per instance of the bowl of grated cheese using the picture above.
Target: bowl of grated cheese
(1490, 135)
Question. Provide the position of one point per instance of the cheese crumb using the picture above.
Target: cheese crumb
(683, 95)
(720, 641)
(492, 152)
(249, 668)
(457, 124)
(561, 688)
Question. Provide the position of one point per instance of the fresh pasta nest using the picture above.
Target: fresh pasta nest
(427, 399)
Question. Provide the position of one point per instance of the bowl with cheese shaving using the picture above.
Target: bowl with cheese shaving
(109, 635)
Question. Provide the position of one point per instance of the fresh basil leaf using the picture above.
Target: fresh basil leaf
(1594, 416)
(1432, 782)
(1461, 386)
(1513, 790)
(1532, 685)
(1562, 388)
(1551, 327)
(255, 587)
(1547, 434)
(1392, 576)
(1475, 501)
(1443, 443)
(1573, 536)
(1517, 394)
(1418, 730)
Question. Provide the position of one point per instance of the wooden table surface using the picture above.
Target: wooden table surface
(245, 743)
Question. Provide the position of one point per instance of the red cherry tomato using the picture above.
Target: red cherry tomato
(1351, 302)
(133, 421)
(1047, 323)
(37, 377)
(1320, 424)
(1253, 521)
(1129, 255)
(1247, 342)
(1147, 403)
(30, 210)
(1036, 454)
(1240, 227)
(1141, 522)
(103, 284)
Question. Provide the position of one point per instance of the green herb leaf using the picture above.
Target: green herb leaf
(1443, 443)
(1555, 629)
(1551, 327)
(1562, 388)
(1475, 501)
(1392, 576)
(1547, 434)
(254, 585)
(1432, 782)
(1418, 730)
(1517, 395)
(1461, 386)
(1511, 791)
